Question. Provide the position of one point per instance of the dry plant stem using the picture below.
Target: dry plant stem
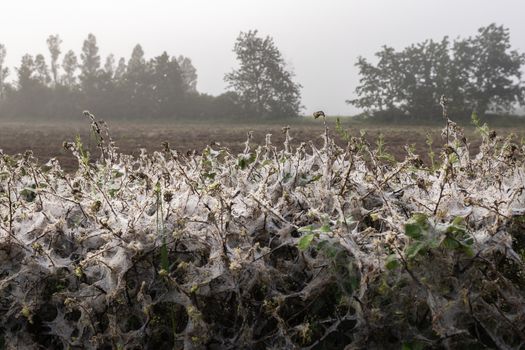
(442, 188)
(271, 211)
(104, 196)
(10, 205)
(385, 181)
(37, 183)
(347, 175)
(68, 200)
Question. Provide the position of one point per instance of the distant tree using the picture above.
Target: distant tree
(120, 71)
(168, 85)
(409, 82)
(137, 63)
(227, 105)
(264, 85)
(104, 99)
(490, 71)
(32, 98)
(90, 64)
(479, 73)
(69, 65)
(189, 73)
(53, 44)
(105, 77)
(137, 84)
(162, 87)
(4, 71)
(426, 70)
(26, 73)
(42, 70)
(380, 85)
(109, 66)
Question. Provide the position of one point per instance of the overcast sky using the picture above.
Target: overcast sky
(320, 40)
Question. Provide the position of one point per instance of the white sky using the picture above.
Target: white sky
(319, 39)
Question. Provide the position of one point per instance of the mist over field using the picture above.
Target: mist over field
(262, 174)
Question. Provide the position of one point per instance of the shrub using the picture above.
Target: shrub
(299, 247)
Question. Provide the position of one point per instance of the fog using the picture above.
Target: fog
(320, 40)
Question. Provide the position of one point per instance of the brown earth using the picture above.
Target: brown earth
(45, 140)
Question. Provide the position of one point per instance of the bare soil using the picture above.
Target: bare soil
(46, 140)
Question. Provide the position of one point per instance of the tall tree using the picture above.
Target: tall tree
(42, 70)
(189, 73)
(90, 64)
(168, 85)
(426, 70)
(380, 85)
(136, 68)
(53, 44)
(26, 73)
(120, 71)
(109, 65)
(480, 73)
(4, 71)
(490, 70)
(137, 84)
(264, 85)
(31, 98)
(69, 65)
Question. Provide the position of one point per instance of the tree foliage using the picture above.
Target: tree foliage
(163, 87)
(69, 66)
(479, 73)
(53, 44)
(90, 64)
(262, 81)
(4, 71)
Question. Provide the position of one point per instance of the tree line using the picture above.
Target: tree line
(163, 87)
(480, 73)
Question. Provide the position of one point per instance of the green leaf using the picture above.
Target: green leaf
(457, 230)
(354, 282)
(417, 226)
(468, 240)
(323, 245)
(305, 241)
(458, 221)
(328, 248)
(391, 262)
(29, 194)
(242, 163)
(315, 178)
(414, 249)
(209, 175)
(325, 228)
(112, 192)
(413, 231)
(117, 174)
(450, 243)
(245, 160)
(467, 250)
(434, 243)
(308, 228)
(421, 219)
